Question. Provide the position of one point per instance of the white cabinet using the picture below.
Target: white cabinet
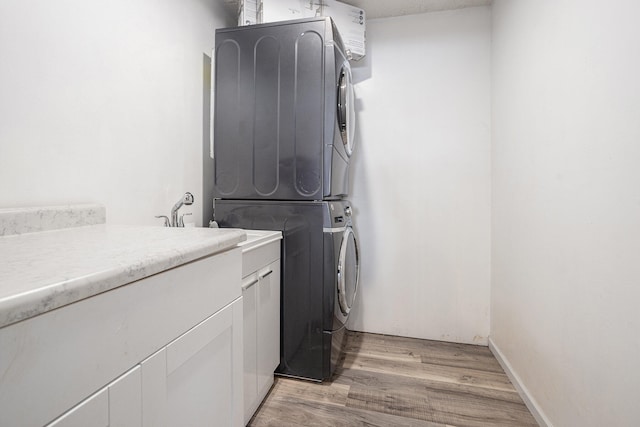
(250, 344)
(268, 325)
(197, 379)
(119, 404)
(261, 300)
(60, 366)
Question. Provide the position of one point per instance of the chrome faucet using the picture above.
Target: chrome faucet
(166, 220)
(186, 199)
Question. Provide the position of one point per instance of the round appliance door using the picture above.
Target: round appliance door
(348, 271)
(346, 109)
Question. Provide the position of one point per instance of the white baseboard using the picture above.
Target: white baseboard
(531, 403)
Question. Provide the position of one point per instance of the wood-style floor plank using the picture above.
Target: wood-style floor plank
(329, 393)
(394, 381)
(433, 352)
(442, 408)
(427, 371)
(278, 411)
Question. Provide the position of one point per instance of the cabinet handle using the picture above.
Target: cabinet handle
(250, 284)
(265, 274)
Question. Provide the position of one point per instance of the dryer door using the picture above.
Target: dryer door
(348, 271)
(346, 108)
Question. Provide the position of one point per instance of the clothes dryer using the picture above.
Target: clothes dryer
(284, 112)
(319, 280)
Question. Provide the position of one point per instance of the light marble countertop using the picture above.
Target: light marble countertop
(46, 270)
(31, 220)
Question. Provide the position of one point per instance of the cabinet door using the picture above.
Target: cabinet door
(249, 295)
(125, 400)
(197, 379)
(268, 325)
(117, 405)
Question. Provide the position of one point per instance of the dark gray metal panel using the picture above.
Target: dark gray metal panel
(308, 89)
(309, 276)
(266, 135)
(275, 112)
(228, 110)
(306, 296)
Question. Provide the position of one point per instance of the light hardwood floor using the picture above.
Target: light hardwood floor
(392, 381)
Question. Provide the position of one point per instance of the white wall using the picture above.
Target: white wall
(421, 176)
(566, 205)
(101, 101)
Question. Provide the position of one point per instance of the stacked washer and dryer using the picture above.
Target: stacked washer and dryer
(283, 137)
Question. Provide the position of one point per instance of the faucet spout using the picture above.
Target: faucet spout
(186, 199)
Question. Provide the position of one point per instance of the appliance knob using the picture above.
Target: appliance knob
(347, 211)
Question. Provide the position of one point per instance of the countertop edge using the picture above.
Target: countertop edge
(25, 305)
(257, 238)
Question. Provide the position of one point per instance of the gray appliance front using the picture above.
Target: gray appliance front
(312, 336)
(283, 112)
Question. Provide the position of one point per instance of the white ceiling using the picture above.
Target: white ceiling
(387, 8)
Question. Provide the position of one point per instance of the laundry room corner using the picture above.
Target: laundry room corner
(422, 176)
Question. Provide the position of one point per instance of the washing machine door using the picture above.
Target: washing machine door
(346, 108)
(348, 271)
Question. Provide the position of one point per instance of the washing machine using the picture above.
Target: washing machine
(319, 281)
(284, 112)
(342, 274)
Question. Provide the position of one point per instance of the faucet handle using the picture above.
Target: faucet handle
(181, 222)
(166, 220)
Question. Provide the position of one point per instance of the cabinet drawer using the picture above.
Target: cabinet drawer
(119, 404)
(256, 257)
